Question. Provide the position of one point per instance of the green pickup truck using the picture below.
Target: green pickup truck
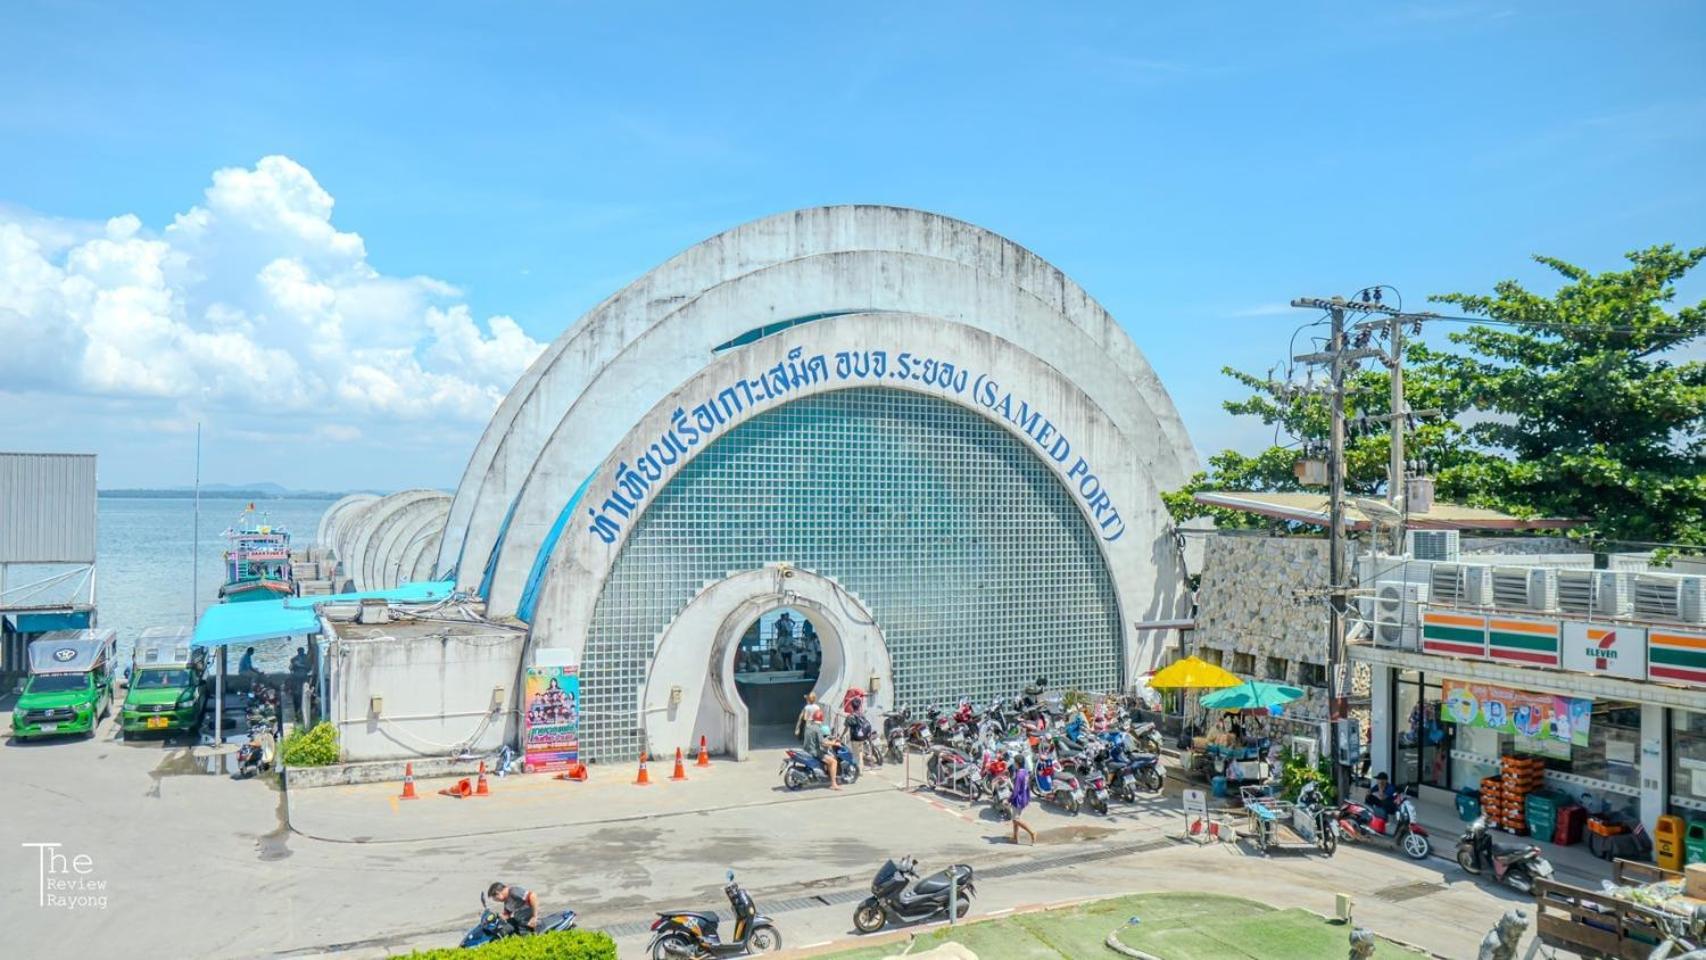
(70, 688)
(166, 691)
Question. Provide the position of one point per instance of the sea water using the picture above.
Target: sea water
(145, 566)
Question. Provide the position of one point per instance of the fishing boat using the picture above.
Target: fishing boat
(257, 562)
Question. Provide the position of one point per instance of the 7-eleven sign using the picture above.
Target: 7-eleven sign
(1610, 650)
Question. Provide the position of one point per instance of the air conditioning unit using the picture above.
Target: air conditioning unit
(1525, 588)
(1669, 596)
(1461, 584)
(1431, 544)
(1604, 593)
(1398, 615)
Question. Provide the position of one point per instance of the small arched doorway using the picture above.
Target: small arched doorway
(696, 689)
(778, 662)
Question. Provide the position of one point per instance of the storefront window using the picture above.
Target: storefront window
(1688, 762)
(1422, 751)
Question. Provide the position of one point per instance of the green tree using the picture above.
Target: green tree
(1582, 404)
(1587, 408)
(1301, 426)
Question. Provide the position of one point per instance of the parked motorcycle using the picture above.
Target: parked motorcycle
(1399, 830)
(257, 755)
(800, 768)
(952, 771)
(495, 926)
(1516, 866)
(684, 934)
(898, 896)
(1058, 786)
(1147, 737)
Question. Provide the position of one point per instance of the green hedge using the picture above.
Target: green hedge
(562, 945)
(311, 748)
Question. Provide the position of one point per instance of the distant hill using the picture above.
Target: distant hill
(225, 491)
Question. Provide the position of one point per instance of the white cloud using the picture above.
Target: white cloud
(250, 304)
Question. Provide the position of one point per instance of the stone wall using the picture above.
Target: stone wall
(1266, 596)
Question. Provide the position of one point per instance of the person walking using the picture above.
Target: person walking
(1022, 799)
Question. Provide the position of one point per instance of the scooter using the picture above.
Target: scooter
(495, 926)
(1516, 866)
(800, 768)
(898, 896)
(1058, 786)
(683, 934)
(1400, 830)
(1148, 738)
(256, 755)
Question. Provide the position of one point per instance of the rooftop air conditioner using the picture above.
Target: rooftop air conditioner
(1398, 615)
(1602, 593)
(1669, 596)
(1461, 584)
(1431, 544)
(1525, 588)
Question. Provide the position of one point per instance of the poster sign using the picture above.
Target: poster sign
(1196, 803)
(1607, 649)
(1538, 716)
(551, 716)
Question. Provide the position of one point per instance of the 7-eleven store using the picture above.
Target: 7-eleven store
(1470, 686)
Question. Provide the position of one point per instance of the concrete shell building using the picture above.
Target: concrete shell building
(381, 542)
(926, 439)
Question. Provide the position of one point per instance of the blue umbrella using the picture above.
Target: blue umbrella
(1252, 695)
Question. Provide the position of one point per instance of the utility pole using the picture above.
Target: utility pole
(1337, 357)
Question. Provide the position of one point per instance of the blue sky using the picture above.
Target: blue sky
(1192, 165)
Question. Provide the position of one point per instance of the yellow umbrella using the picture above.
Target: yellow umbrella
(1191, 672)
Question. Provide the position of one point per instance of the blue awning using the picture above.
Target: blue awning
(420, 591)
(227, 623)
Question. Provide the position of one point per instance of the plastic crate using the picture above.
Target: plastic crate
(1542, 811)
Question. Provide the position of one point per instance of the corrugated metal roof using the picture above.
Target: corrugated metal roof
(47, 508)
(1313, 508)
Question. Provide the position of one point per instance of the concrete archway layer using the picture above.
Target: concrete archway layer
(637, 347)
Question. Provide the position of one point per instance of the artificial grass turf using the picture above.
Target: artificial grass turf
(1173, 926)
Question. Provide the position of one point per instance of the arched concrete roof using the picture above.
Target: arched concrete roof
(325, 533)
(641, 344)
(365, 536)
(382, 565)
(418, 557)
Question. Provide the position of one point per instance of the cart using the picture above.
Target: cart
(1287, 825)
(1594, 923)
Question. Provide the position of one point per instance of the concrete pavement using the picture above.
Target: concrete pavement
(200, 866)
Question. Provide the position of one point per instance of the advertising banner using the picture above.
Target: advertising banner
(1607, 649)
(1677, 657)
(1538, 716)
(551, 715)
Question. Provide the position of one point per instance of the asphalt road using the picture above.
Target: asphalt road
(189, 864)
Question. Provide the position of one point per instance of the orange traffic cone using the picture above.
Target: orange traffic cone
(576, 772)
(459, 790)
(481, 790)
(680, 771)
(644, 779)
(408, 782)
(704, 755)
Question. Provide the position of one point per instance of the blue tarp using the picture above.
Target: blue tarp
(420, 591)
(227, 623)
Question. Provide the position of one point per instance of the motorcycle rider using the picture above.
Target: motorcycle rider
(822, 746)
(520, 905)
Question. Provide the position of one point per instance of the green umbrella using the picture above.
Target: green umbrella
(1252, 695)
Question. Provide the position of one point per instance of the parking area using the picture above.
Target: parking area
(191, 863)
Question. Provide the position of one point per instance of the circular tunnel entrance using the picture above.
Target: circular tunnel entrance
(778, 662)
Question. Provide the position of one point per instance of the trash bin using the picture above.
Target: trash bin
(1694, 841)
(1468, 804)
(1541, 809)
(1217, 786)
(1667, 842)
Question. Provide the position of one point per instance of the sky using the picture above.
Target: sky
(335, 234)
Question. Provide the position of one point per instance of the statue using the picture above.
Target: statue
(1362, 943)
(1500, 942)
